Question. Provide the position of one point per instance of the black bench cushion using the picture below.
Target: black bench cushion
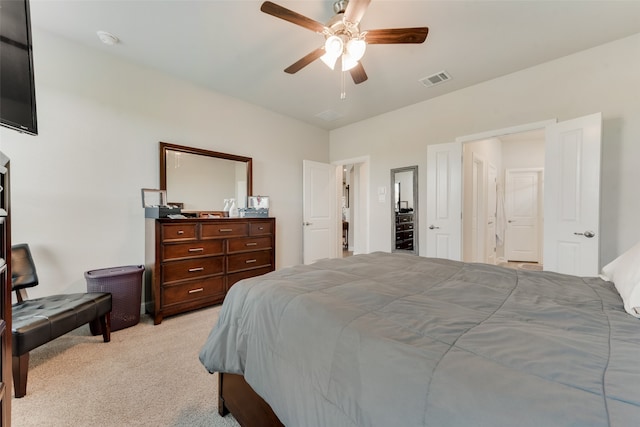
(40, 320)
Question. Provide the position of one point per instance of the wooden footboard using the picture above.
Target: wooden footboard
(248, 408)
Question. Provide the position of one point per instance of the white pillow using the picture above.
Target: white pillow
(624, 272)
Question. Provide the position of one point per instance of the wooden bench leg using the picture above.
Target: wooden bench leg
(20, 369)
(102, 325)
(105, 325)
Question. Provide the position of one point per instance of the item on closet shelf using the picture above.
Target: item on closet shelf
(233, 209)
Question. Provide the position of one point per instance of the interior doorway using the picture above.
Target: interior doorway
(502, 198)
(524, 210)
(346, 203)
(353, 203)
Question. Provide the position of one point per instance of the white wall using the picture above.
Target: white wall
(76, 186)
(603, 79)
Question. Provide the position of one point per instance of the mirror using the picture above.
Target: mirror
(404, 210)
(200, 180)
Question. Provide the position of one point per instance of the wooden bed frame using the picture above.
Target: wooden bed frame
(237, 397)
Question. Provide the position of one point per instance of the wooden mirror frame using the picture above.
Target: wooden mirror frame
(166, 146)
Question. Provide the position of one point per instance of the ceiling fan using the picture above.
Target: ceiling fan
(343, 38)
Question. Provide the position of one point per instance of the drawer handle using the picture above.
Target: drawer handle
(249, 261)
(196, 249)
(251, 244)
(180, 231)
(260, 228)
(193, 270)
(226, 229)
(195, 291)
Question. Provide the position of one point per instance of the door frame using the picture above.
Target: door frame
(495, 133)
(361, 200)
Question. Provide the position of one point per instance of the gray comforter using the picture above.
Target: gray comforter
(398, 340)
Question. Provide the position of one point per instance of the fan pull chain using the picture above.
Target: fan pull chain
(343, 90)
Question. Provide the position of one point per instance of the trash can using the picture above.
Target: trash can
(125, 285)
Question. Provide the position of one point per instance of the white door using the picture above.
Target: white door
(320, 213)
(492, 178)
(523, 215)
(572, 196)
(444, 200)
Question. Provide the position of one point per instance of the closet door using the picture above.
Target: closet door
(572, 196)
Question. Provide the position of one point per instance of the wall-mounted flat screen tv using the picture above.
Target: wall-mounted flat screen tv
(17, 90)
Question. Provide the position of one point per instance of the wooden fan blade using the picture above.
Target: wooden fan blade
(291, 16)
(358, 74)
(306, 60)
(355, 10)
(397, 35)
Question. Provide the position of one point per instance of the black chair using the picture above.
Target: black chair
(40, 320)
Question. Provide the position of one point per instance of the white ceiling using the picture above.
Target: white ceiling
(231, 47)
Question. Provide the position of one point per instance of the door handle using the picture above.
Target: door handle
(307, 223)
(433, 227)
(588, 234)
(510, 221)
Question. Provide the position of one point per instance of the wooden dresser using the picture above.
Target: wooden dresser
(192, 263)
(404, 231)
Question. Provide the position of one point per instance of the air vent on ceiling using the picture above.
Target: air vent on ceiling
(329, 115)
(435, 79)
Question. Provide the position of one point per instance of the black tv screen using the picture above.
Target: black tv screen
(17, 91)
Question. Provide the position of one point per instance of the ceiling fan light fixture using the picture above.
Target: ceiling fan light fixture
(329, 60)
(356, 48)
(348, 62)
(333, 48)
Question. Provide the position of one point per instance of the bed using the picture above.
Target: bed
(392, 339)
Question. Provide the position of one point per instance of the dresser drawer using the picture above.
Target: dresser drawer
(234, 278)
(193, 290)
(404, 235)
(172, 232)
(192, 268)
(192, 249)
(248, 244)
(222, 229)
(404, 227)
(258, 228)
(405, 218)
(248, 260)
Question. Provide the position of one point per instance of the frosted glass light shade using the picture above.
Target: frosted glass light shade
(348, 62)
(333, 48)
(329, 60)
(356, 48)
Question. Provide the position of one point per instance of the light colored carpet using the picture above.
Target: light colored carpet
(146, 376)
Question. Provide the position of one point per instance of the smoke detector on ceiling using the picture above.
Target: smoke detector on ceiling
(107, 38)
(435, 79)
